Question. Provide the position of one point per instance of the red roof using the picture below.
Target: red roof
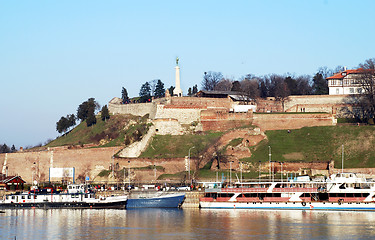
(343, 74)
(11, 178)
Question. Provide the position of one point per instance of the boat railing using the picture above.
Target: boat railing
(240, 190)
(295, 189)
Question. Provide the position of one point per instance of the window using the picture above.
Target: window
(337, 91)
(359, 90)
(351, 90)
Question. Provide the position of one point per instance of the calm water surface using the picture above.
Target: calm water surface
(185, 224)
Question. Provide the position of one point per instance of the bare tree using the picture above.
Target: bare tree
(304, 85)
(250, 89)
(224, 85)
(279, 89)
(210, 80)
(366, 100)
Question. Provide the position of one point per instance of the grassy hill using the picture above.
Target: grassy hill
(116, 131)
(167, 146)
(320, 144)
(306, 144)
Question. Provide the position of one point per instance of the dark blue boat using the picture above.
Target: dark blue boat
(157, 200)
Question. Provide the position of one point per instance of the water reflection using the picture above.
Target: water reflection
(184, 224)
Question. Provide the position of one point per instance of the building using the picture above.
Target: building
(12, 182)
(347, 81)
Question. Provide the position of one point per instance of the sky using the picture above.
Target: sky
(54, 55)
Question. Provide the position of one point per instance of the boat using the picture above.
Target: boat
(342, 191)
(75, 197)
(155, 199)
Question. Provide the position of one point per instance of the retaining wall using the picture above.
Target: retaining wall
(291, 121)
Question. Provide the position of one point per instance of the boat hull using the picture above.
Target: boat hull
(173, 201)
(70, 205)
(334, 206)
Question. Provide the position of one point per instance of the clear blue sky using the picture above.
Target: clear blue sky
(56, 54)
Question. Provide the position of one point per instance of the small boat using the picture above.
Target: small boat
(76, 196)
(342, 191)
(158, 199)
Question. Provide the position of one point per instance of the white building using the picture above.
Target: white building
(346, 82)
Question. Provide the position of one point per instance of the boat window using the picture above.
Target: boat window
(13, 197)
(28, 197)
(23, 197)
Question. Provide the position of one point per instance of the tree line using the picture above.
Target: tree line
(282, 86)
(86, 111)
(271, 85)
(5, 149)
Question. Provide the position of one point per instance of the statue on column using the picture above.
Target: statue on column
(177, 59)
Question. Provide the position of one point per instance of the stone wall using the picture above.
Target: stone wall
(201, 103)
(291, 121)
(137, 109)
(183, 115)
(135, 149)
(221, 119)
(168, 126)
(87, 162)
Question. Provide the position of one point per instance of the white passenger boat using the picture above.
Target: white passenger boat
(342, 191)
(76, 196)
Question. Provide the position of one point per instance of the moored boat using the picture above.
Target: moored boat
(76, 197)
(343, 191)
(156, 199)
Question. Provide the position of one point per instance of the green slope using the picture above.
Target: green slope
(320, 144)
(112, 131)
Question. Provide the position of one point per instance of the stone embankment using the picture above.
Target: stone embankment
(192, 199)
(135, 149)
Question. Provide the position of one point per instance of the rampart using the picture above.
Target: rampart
(291, 121)
(183, 115)
(201, 103)
(137, 109)
(87, 162)
(221, 119)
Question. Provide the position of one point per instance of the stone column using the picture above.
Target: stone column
(177, 91)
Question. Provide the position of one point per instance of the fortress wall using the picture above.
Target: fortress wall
(137, 109)
(296, 166)
(221, 120)
(87, 162)
(168, 126)
(183, 115)
(291, 121)
(202, 103)
(171, 165)
(264, 105)
(317, 103)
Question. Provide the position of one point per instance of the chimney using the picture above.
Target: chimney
(345, 68)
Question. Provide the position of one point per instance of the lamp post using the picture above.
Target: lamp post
(129, 176)
(155, 172)
(269, 161)
(281, 171)
(189, 160)
(230, 172)
(259, 172)
(241, 171)
(124, 177)
(342, 159)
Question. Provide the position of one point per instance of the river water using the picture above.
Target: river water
(185, 224)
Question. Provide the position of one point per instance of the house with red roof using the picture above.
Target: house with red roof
(12, 182)
(348, 81)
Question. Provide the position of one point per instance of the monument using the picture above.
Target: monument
(177, 91)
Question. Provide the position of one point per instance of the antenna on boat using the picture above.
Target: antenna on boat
(342, 159)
